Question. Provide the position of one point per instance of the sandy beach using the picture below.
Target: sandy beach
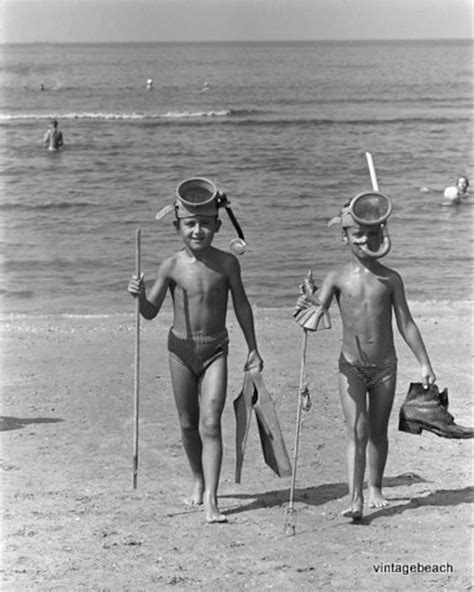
(72, 520)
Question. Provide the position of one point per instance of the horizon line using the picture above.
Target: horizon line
(244, 41)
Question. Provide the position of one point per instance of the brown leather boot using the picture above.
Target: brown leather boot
(427, 409)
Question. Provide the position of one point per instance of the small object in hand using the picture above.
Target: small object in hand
(311, 319)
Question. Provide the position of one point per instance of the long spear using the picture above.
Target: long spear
(304, 404)
(309, 321)
(136, 390)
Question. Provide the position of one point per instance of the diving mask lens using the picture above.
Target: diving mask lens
(197, 191)
(371, 209)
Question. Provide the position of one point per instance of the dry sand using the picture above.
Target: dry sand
(72, 521)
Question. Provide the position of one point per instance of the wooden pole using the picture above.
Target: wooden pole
(136, 391)
(290, 518)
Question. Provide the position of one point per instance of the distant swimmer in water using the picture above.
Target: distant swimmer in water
(206, 86)
(456, 193)
(149, 83)
(53, 138)
(453, 195)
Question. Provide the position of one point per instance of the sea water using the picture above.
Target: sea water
(282, 128)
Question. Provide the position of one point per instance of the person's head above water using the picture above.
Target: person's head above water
(462, 183)
(455, 193)
(363, 220)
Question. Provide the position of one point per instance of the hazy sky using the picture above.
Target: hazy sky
(215, 20)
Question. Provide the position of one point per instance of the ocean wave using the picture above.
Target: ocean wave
(106, 116)
(456, 102)
(62, 205)
(249, 117)
(16, 293)
(248, 112)
(322, 121)
(193, 114)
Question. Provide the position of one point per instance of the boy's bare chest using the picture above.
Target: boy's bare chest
(196, 279)
(366, 291)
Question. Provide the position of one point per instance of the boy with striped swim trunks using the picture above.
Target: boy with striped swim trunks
(200, 279)
(368, 295)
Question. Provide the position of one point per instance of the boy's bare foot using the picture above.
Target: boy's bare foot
(376, 499)
(354, 510)
(213, 517)
(212, 512)
(195, 499)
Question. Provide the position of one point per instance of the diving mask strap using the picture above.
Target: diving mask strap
(164, 211)
(224, 202)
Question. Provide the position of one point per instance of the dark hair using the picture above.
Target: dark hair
(463, 177)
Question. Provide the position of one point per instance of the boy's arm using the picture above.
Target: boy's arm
(244, 314)
(409, 330)
(150, 305)
(326, 292)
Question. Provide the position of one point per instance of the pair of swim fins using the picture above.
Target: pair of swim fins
(254, 396)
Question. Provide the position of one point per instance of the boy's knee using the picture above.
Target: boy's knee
(210, 428)
(358, 436)
(188, 425)
(359, 433)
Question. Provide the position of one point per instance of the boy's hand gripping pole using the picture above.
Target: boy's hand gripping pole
(312, 318)
(136, 392)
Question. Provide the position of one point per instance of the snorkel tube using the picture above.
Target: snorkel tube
(373, 209)
(238, 245)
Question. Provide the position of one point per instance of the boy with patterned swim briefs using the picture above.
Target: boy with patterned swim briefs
(199, 279)
(367, 293)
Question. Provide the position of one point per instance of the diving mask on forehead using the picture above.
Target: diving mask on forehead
(370, 208)
(198, 196)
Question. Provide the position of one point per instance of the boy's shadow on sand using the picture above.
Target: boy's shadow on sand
(322, 494)
(440, 497)
(17, 423)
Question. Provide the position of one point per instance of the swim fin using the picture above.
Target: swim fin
(254, 394)
(271, 438)
(312, 318)
(243, 414)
